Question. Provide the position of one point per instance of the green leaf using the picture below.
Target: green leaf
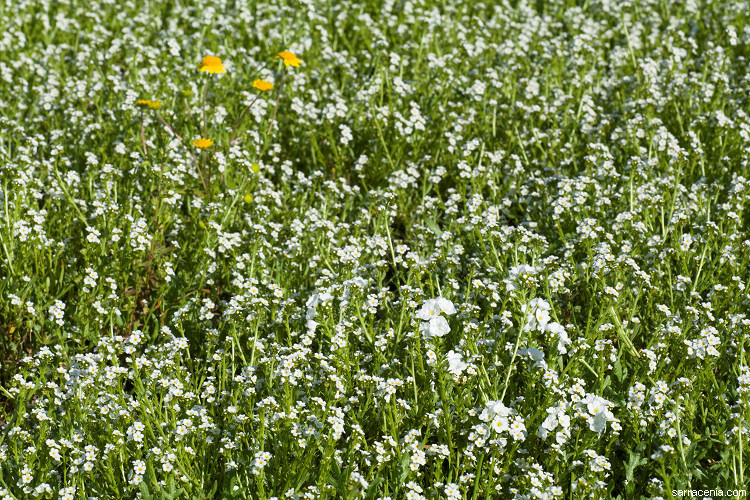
(634, 461)
(434, 227)
(404, 468)
(335, 479)
(373, 488)
(145, 493)
(617, 370)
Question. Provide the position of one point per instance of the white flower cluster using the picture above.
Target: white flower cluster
(431, 238)
(456, 365)
(538, 318)
(503, 420)
(433, 324)
(706, 345)
(557, 420)
(597, 412)
(57, 312)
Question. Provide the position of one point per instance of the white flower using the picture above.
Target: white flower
(598, 410)
(518, 429)
(557, 417)
(562, 336)
(433, 324)
(452, 491)
(455, 364)
(515, 272)
(436, 327)
(433, 307)
(537, 311)
(536, 356)
(495, 409)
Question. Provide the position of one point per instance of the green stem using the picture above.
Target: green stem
(143, 139)
(232, 138)
(513, 359)
(205, 92)
(70, 198)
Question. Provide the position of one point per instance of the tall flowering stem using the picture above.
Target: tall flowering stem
(521, 329)
(188, 108)
(195, 160)
(205, 92)
(278, 97)
(208, 174)
(143, 139)
(232, 138)
(273, 116)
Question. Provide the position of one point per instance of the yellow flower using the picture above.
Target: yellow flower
(145, 103)
(186, 92)
(255, 168)
(262, 85)
(202, 143)
(248, 198)
(289, 59)
(212, 64)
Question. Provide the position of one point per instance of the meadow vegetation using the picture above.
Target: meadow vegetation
(413, 249)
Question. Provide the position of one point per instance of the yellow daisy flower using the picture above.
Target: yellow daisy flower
(262, 85)
(289, 59)
(212, 64)
(145, 103)
(203, 143)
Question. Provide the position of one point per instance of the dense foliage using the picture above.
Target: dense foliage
(436, 249)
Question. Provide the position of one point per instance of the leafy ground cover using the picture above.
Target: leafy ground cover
(396, 249)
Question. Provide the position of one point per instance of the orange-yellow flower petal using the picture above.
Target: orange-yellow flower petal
(145, 103)
(203, 143)
(212, 64)
(289, 59)
(262, 85)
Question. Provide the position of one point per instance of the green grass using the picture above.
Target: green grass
(257, 319)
